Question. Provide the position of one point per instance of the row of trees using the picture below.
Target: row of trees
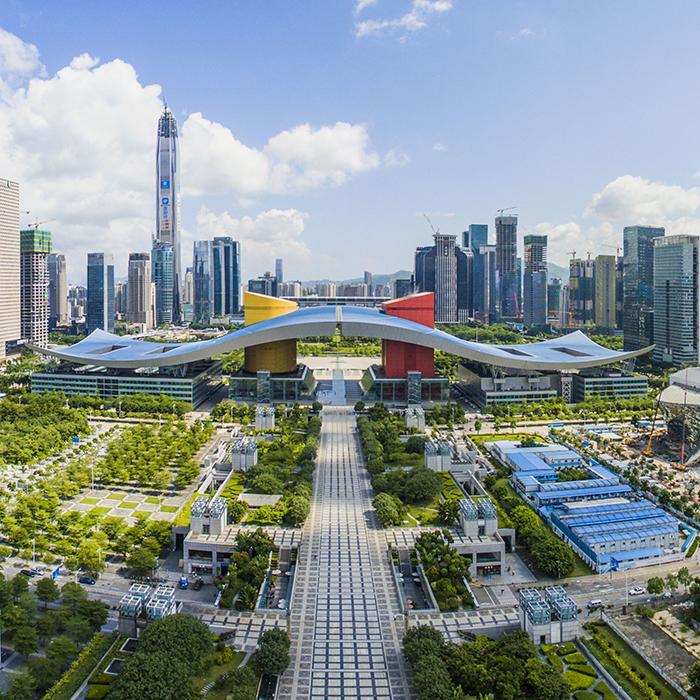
(134, 405)
(506, 668)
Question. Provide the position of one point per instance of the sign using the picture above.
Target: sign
(165, 184)
(165, 200)
(56, 573)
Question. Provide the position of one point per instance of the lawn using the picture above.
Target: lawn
(630, 657)
(128, 504)
(115, 496)
(425, 515)
(183, 517)
(215, 672)
(153, 499)
(169, 509)
(450, 490)
(91, 501)
(100, 510)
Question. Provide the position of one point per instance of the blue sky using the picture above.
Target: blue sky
(582, 115)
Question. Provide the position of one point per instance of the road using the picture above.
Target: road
(345, 624)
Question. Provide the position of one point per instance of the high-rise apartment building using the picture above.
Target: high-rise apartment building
(187, 291)
(100, 292)
(676, 300)
(535, 281)
(507, 264)
(35, 246)
(226, 274)
(326, 289)
(581, 291)
(606, 291)
(279, 270)
(266, 284)
(168, 216)
(58, 290)
(369, 282)
(403, 287)
(289, 289)
(9, 264)
(162, 272)
(202, 282)
(554, 301)
(491, 301)
(139, 296)
(638, 285)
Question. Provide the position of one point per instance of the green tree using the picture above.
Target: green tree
(45, 628)
(422, 641)
(95, 612)
(655, 585)
(25, 640)
(152, 675)
(387, 509)
(89, 557)
(432, 680)
(73, 595)
(62, 650)
(78, 629)
(359, 406)
(421, 485)
(19, 585)
(142, 560)
(477, 425)
(448, 511)
(23, 687)
(298, 508)
(694, 679)
(671, 583)
(272, 655)
(47, 591)
(684, 577)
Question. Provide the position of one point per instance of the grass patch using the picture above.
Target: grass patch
(603, 640)
(604, 689)
(128, 504)
(115, 496)
(450, 490)
(169, 509)
(183, 517)
(217, 671)
(153, 499)
(556, 662)
(577, 681)
(425, 515)
(100, 510)
(585, 669)
(575, 657)
(91, 501)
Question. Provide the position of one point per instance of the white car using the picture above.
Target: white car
(637, 590)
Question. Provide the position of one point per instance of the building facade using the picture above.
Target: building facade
(554, 301)
(507, 264)
(581, 291)
(9, 267)
(58, 290)
(535, 281)
(606, 291)
(100, 292)
(267, 285)
(226, 274)
(162, 271)
(638, 285)
(35, 246)
(202, 282)
(168, 215)
(279, 270)
(676, 302)
(139, 296)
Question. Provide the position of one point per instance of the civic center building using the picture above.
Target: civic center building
(109, 365)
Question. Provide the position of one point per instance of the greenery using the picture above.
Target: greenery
(248, 566)
(170, 653)
(390, 509)
(506, 668)
(133, 405)
(272, 655)
(445, 569)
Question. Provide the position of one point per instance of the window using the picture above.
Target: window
(205, 528)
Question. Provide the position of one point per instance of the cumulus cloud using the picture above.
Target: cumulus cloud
(414, 19)
(563, 239)
(262, 238)
(82, 145)
(396, 158)
(439, 146)
(363, 5)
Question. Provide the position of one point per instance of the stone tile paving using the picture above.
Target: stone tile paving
(123, 504)
(345, 618)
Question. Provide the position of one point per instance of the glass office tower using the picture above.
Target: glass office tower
(227, 276)
(535, 281)
(507, 264)
(100, 292)
(168, 211)
(163, 274)
(202, 282)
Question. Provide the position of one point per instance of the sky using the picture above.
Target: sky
(322, 132)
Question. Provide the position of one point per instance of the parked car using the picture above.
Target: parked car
(198, 583)
(637, 590)
(593, 604)
(26, 572)
(87, 580)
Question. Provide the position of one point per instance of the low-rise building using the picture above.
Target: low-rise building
(602, 382)
(264, 417)
(551, 618)
(244, 453)
(438, 455)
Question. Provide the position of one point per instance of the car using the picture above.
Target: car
(36, 571)
(27, 573)
(597, 603)
(666, 594)
(637, 590)
(198, 583)
(87, 580)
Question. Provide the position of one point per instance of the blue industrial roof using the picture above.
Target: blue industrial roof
(582, 484)
(573, 351)
(631, 554)
(582, 493)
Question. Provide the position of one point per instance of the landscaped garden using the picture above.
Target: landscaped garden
(583, 679)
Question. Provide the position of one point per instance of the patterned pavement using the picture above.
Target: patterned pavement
(345, 623)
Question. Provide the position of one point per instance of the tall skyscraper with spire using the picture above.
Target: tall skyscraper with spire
(167, 232)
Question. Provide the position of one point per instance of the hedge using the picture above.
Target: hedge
(577, 681)
(603, 688)
(586, 695)
(584, 668)
(66, 686)
(556, 662)
(576, 657)
(693, 547)
(97, 692)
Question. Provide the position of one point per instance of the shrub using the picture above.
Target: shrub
(586, 695)
(556, 662)
(575, 657)
(97, 692)
(577, 681)
(584, 668)
(602, 688)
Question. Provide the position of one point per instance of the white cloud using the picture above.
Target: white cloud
(525, 32)
(361, 5)
(413, 20)
(563, 239)
(271, 234)
(439, 146)
(81, 144)
(396, 158)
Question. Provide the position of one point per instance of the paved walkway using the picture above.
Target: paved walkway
(345, 623)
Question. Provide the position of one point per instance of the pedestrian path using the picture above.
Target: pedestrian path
(346, 625)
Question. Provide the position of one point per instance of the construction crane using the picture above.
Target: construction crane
(500, 211)
(617, 248)
(436, 231)
(38, 223)
(647, 451)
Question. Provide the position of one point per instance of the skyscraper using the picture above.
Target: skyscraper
(100, 292)
(445, 278)
(266, 284)
(582, 291)
(507, 264)
(554, 301)
(58, 290)
(676, 299)
(187, 291)
(403, 287)
(121, 300)
(279, 270)
(226, 273)
(638, 285)
(491, 309)
(35, 246)
(9, 264)
(535, 281)
(369, 283)
(202, 283)
(465, 284)
(168, 213)
(162, 273)
(606, 291)
(139, 296)
(476, 236)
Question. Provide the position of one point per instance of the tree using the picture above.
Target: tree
(316, 406)
(432, 679)
(297, 510)
(78, 629)
(243, 684)
(95, 612)
(694, 679)
(416, 444)
(22, 687)
(684, 577)
(45, 628)
(47, 591)
(89, 557)
(477, 425)
(142, 560)
(19, 585)
(359, 406)
(448, 511)
(25, 640)
(272, 655)
(62, 650)
(655, 585)
(421, 485)
(387, 509)
(73, 595)
(421, 641)
(671, 583)
(152, 675)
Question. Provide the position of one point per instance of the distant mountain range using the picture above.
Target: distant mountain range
(554, 270)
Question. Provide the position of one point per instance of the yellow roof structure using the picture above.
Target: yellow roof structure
(260, 307)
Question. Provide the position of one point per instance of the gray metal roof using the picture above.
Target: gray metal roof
(572, 351)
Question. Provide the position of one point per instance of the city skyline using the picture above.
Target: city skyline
(327, 180)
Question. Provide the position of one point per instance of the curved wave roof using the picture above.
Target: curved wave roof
(572, 351)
